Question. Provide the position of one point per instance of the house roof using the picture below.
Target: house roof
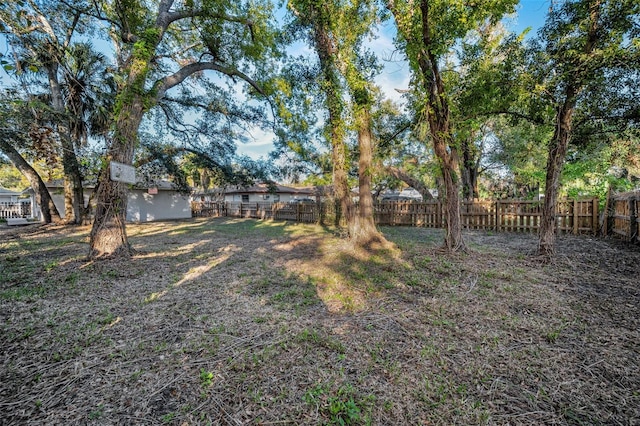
(5, 191)
(162, 185)
(59, 184)
(263, 188)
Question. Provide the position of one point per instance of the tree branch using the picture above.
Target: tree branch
(163, 85)
(529, 118)
(400, 130)
(411, 181)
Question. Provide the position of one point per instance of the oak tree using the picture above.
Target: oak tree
(427, 31)
(158, 46)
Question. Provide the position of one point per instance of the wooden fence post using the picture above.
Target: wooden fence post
(608, 219)
(633, 218)
(576, 218)
(595, 204)
(413, 215)
(497, 215)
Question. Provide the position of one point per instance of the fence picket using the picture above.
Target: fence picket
(14, 209)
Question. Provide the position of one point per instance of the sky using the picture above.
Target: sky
(395, 74)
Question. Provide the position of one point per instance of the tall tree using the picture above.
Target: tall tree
(585, 43)
(319, 18)
(158, 46)
(426, 33)
(477, 93)
(41, 35)
(18, 134)
(358, 68)
(336, 29)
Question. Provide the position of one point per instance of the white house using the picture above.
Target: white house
(12, 206)
(159, 203)
(7, 196)
(162, 202)
(407, 194)
(268, 193)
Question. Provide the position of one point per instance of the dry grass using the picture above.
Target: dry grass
(245, 322)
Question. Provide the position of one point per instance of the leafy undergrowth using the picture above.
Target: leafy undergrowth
(246, 322)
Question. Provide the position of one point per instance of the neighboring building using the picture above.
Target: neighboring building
(213, 195)
(11, 205)
(7, 196)
(407, 194)
(268, 193)
(161, 202)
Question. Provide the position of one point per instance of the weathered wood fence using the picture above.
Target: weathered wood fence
(622, 216)
(572, 216)
(11, 210)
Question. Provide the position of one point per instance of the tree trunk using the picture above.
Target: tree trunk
(411, 181)
(364, 229)
(73, 182)
(453, 240)
(73, 192)
(560, 141)
(453, 232)
(108, 235)
(555, 161)
(69, 211)
(43, 198)
(448, 159)
(470, 184)
(340, 181)
(469, 172)
(442, 135)
(331, 87)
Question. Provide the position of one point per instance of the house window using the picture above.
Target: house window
(245, 198)
(266, 197)
(276, 198)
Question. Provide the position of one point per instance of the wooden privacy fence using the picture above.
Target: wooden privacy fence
(622, 216)
(11, 210)
(300, 212)
(572, 216)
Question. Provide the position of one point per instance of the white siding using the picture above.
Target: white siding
(259, 198)
(145, 207)
(6, 198)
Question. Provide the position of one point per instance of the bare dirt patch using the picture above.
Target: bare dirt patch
(246, 322)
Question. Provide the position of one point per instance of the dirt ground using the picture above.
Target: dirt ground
(235, 322)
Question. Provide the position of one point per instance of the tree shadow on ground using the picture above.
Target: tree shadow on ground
(248, 322)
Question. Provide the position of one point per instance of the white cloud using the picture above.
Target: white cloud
(395, 72)
(260, 144)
